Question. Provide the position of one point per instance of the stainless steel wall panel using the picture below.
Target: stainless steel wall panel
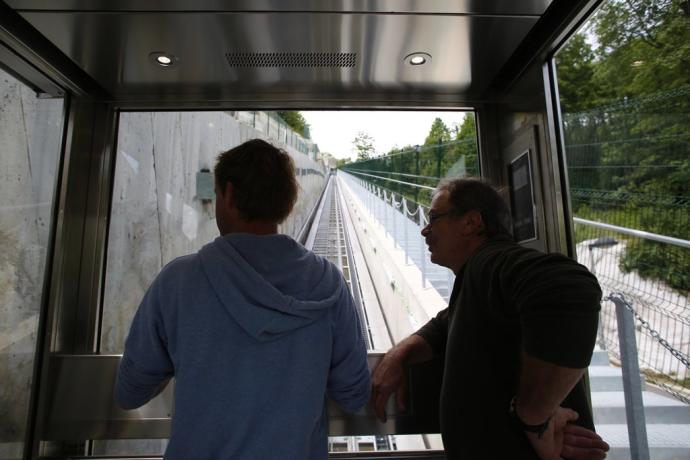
(474, 7)
(83, 215)
(114, 49)
(80, 406)
(71, 318)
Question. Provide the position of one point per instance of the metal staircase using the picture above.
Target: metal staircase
(667, 419)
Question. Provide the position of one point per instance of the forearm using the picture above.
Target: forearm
(414, 349)
(542, 388)
(389, 375)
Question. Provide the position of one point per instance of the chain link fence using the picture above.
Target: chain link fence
(414, 173)
(662, 313)
(629, 167)
(271, 125)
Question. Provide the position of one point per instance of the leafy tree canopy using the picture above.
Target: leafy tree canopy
(364, 146)
(438, 134)
(467, 129)
(296, 121)
(624, 83)
(343, 161)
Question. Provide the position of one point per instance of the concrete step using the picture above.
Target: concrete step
(667, 419)
(609, 408)
(666, 441)
(600, 358)
(605, 378)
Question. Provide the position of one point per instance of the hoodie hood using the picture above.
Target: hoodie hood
(269, 284)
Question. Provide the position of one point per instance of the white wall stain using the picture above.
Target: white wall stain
(131, 161)
(190, 222)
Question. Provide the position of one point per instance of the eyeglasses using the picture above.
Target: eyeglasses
(433, 216)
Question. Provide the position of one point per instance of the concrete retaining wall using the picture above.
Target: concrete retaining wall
(30, 136)
(156, 216)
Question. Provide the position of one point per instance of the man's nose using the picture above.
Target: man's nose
(426, 230)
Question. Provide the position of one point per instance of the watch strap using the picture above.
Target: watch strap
(538, 429)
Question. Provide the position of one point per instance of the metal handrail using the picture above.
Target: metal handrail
(391, 173)
(378, 202)
(396, 181)
(634, 232)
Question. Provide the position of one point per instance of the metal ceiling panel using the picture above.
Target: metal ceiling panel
(114, 48)
(466, 7)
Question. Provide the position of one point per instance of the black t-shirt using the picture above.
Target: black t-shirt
(507, 299)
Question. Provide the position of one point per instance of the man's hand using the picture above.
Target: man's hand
(387, 378)
(563, 440)
(389, 375)
(581, 443)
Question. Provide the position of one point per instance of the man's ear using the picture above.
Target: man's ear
(229, 194)
(472, 223)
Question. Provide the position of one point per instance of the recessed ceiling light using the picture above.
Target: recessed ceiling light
(163, 59)
(418, 58)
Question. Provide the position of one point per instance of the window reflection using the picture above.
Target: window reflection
(30, 135)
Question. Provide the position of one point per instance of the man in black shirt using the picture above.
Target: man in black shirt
(515, 339)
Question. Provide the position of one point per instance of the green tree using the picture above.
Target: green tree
(627, 111)
(575, 62)
(343, 161)
(466, 144)
(364, 146)
(438, 134)
(643, 46)
(296, 121)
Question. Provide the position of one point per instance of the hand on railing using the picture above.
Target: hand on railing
(564, 440)
(388, 378)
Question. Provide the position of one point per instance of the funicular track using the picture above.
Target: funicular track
(330, 239)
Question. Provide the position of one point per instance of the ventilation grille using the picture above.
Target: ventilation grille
(292, 59)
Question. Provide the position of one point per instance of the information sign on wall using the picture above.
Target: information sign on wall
(522, 198)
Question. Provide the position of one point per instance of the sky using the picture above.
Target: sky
(334, 131)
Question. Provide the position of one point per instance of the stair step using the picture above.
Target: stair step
(609, 408)
(605, 378)
(600, 358)
(666, 441)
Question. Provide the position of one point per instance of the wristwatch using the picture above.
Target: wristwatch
(538, 429)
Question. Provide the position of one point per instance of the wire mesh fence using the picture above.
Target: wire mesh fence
(271, 125)
(629, 166)
(662, 313)
(402, 220)
(414, 173)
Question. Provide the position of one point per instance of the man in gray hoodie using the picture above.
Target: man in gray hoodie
(255, 329)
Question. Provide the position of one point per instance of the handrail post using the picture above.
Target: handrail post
(421, 246)
(386, 212)
(632, 386)
(395, 227)
(403, 203)
(381, 197)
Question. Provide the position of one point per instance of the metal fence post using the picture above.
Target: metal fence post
(421, 246)
(387, 211)
(601, 243)
(632, 386)
(379, 209)
(404, 212)
(372, 203)
(395, 227)
(379, 195)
